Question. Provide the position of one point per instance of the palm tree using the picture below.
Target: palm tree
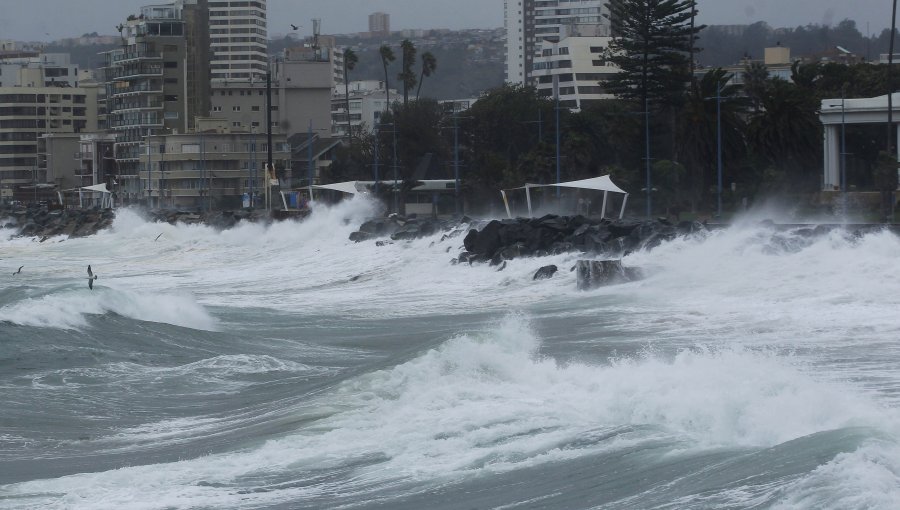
(697, 138)
(788, 133)
(756, 80)
(429, 66)
(407, 76)
(387, 56)
(350, 60)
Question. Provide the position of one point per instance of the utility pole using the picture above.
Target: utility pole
(309, 158)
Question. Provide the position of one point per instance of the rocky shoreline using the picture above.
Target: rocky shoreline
(42, 222)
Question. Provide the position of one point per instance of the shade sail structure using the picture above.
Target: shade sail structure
(344, 187)
(602, 183)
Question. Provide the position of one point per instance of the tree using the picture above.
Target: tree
(697, 133)
(387, 56)
(787, 132)
(429, 66)
(756, 80)
(651, 45)
(407, 76)
(350, 60)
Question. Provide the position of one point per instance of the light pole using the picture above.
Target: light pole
(149, 169)
(844, 150)
(647, 153)
(396, 191)
(890, 80)
(719, 143)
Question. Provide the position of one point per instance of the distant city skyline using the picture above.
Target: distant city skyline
(46, 20)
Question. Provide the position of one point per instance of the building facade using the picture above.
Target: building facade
(368, 100)
(41, 70)
(302, 84)
(533, 26)
(212, 167)
(238, 40)
(27, 113)
(156, 82)
(380, 23)
(574, 68)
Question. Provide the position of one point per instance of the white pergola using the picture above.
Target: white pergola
(838, 112)
(603, 183)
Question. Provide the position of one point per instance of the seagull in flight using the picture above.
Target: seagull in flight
(293, 26)
(91, 278)
(19, 271)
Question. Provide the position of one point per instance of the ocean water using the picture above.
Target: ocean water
(286, 367)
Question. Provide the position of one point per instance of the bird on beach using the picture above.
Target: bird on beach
(91, 278)
(19, 271)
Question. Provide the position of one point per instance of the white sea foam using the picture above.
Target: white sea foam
(69, 309)
(488, 402)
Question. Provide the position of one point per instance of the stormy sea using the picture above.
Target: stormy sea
(287, 367)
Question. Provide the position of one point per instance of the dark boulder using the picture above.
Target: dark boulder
(591, 274)
(545, 272)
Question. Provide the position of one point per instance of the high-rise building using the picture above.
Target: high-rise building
(156, 83)
(533, 26)
(380, 23)
(238, 40)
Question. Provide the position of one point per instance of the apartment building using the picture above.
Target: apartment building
(534, 26)
(574, 68)
(238, 40)
(302, 84)
(38, 70)
(26, 113)
(368, 100)
(157, 82)
(380, 24)
(213, 167)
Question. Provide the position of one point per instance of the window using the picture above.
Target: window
(171, 97)
(171, 64)
(172, 81)
(235, 108)
(254, 108)
(190, 148)
(235, 124)
(217, 108)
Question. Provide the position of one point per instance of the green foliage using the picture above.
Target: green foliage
(697, 133)
(652, 43)
(407, 76)
(429, 66)
(387, 56)
(350, 61)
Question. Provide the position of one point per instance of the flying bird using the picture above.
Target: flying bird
(91, 278)
(293, 26)
(19, 271)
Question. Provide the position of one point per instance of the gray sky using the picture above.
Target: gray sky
(51, 19)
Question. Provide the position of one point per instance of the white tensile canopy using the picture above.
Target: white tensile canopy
(105, 201)
(603, 183)
(344, 187)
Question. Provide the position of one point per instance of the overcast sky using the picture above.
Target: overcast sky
(32, 20)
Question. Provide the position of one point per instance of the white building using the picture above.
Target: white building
(43, 70)
(577, 66)
(238, 40)
(368, 100)
(531, 25)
